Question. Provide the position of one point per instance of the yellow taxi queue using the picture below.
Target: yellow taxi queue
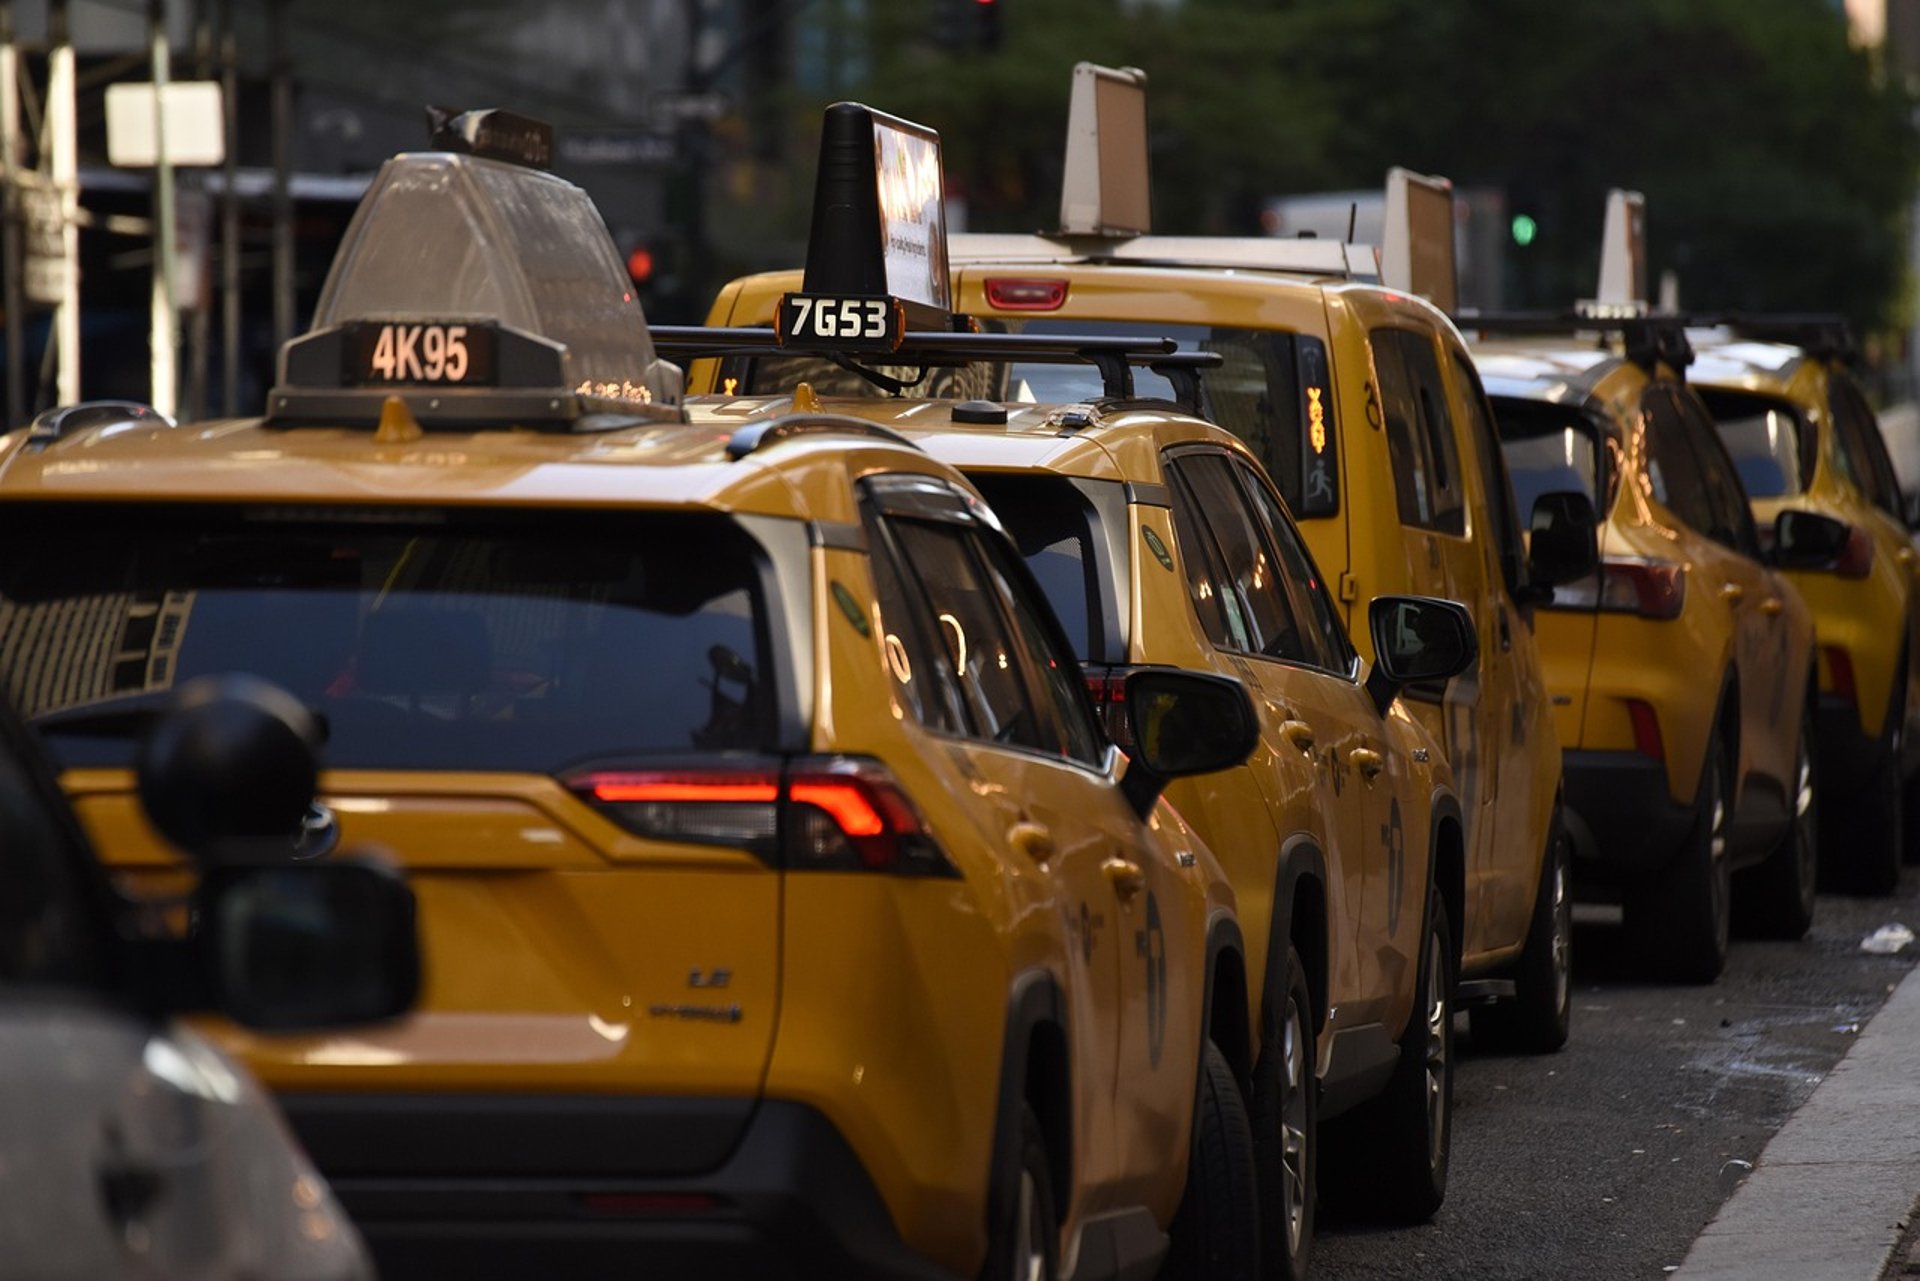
(785, 904)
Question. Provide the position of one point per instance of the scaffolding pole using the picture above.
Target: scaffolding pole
(63, 146)
(11, 259)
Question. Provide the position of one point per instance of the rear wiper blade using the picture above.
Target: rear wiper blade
(128, 716)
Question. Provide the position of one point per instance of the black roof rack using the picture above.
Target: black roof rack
(1822, 335)
(1647, 340)
(759, 435)
(1114, 357)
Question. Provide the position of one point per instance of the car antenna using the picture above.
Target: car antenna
(1353, 217)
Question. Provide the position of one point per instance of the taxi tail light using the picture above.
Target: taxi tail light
(1840, 667)
(821, 814)
(1646, 730)
(1026, 295)
(1625, 585)
(1107, 688)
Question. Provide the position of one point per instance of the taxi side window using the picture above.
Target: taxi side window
(923, 681)
(1213, 601)
(1732, 521)
(1326, 644)
(1061, 682)
(1858, 435)
(1251, 574)
(1413, 402)
(50, 932)
(1493, 474)
(1671, 467)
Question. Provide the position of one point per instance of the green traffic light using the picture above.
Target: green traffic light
(1524, 230)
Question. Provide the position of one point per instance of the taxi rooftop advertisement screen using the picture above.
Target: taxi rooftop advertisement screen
(879, 213)
(913, 214)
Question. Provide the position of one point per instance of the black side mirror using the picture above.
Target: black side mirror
(1416, 639)
(1808, 540)
(307, 947)
(1564, 544)
(229, 773)
(1910, 509)
(1184, 723)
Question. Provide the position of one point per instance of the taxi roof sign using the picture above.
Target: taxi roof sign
(879, 213)
(1106, 190)
(1623, 251)
(495, 134)
(1416, 255)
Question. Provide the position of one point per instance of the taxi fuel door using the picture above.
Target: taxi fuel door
(1417, 639)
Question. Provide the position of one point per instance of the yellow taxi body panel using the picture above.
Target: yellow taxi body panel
(558, 947)
(1496, 724)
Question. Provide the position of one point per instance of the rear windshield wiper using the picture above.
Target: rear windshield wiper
(127, 716)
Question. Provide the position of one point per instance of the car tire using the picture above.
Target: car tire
(1678, 920)
(1538, 1017)
(1875, 817)
(1025, 1241)
(1388, 1159)
(1775, 900)
(1216, 1234)
(1286, 1141)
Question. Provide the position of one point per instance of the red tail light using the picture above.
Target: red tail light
(1840, 668)
(1107, 687)
(1026, 295)
(1649, 588)
(824, 813)
(1646, 730)
(1856, 558)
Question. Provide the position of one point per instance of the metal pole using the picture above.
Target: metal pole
(282, 173)
(230, 218)
(165, 343)
(65, 151)
(15, 300)
(199, 354)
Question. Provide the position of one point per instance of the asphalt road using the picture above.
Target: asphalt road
(1606, 1159)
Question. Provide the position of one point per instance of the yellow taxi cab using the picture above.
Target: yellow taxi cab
(785, 908)
(1682, 671)
(1360, 402)
(1161, 543)
(1804, 439)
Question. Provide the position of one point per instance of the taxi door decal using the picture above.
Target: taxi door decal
(1393, 835)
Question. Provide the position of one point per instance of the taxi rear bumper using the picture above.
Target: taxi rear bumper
(480, 1186)
(1621, 812)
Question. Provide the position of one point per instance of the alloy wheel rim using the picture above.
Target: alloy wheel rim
(1032, 1263)
(1806, 850)
(1439, 1019)
(1719, 877)
(1293, 1128)
(1562, 933)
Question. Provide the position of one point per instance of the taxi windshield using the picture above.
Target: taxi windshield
(1255, 393)
(427, 640)
(1550, 449)
(1772, 448)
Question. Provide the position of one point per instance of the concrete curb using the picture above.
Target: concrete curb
(1829, 1195)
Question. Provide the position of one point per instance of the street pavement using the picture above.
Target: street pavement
(1609, 1159)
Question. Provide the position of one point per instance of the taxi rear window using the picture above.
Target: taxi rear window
(431, 640)
(1550, 449)
(1772, 445)
(1265, 392)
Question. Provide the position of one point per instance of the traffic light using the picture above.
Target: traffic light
(968, 26)
(1524, 229)
(986, 25)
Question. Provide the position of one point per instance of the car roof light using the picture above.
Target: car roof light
(1013, 294)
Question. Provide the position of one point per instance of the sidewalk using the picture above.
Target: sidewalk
(1831, 1193)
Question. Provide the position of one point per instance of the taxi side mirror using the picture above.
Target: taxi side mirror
(308, 947)
(1184, 723)
(1417, 639)
(1808, 540)
(1910, 509)
(1563, 546)
(228, 774)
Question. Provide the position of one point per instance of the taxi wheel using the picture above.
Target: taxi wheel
(1877, 841)
(1025, 1242)
(1216, 1234)
(1285, 1139)
(1775, 900)
(1538, 1018)
(1677, 920)
(1388, 1159)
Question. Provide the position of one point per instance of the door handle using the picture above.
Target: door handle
(1031, 839)
(1773, 606)
(1906, 555)
(1367, 761)
(1732, 593)
(1299, 733)
(1125, 876)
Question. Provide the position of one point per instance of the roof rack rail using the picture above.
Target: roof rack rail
(1823, 335)
(1114, 357)
(760, 435)
(50, 425)
(1647, 340)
